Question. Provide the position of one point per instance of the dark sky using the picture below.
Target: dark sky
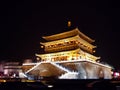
(23, 23)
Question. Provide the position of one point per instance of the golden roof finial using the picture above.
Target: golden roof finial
(69, 23)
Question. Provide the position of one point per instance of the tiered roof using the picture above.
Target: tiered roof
(66, 34)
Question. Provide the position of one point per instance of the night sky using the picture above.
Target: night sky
(22, 24)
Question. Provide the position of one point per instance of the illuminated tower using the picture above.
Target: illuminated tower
(69, 53)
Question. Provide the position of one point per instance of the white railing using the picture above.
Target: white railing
(69, 75)
(29, 64)
(22, 75)
(33, 67)
(83, 60)
(61, 67)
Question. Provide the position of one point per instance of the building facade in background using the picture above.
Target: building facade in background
(10, 69)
